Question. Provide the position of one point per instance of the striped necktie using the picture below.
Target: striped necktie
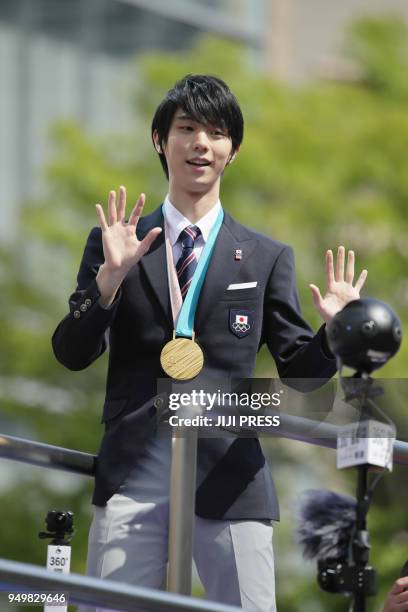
(187, 263)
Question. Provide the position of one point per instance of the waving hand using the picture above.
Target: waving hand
(121, 247)
(339, 285)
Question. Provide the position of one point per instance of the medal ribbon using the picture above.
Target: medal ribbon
(185, 323)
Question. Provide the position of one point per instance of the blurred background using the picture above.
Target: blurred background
(324, 91)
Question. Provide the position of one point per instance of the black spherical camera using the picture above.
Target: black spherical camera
(365, 334)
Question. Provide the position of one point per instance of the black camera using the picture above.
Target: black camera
(59, 520)
(59, 526)
(365, 334)
(336, 577)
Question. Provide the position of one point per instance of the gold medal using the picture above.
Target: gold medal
(182, 358)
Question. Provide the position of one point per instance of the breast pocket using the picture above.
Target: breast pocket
(233, 295)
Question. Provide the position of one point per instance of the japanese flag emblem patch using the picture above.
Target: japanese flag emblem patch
(241, 322)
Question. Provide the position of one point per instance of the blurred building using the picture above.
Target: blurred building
(305, 38)
(71, 58)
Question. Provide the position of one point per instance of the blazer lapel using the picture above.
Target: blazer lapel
(154, 262)
(223, 267)
(222, 270)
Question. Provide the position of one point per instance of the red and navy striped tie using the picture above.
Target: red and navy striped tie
(187, 263)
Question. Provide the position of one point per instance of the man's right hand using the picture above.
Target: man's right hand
(121, 248)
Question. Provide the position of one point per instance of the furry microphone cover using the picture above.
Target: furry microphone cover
(326, 520)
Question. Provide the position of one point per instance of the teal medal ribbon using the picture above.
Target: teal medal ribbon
(182, 358)
(185, 322)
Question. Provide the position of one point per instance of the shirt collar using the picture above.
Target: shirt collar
(176, 221)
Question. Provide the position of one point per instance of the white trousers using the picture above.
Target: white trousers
(128, 542)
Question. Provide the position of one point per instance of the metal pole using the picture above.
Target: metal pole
(182, 504)
(360, 543)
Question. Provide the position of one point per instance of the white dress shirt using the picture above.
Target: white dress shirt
(176, 222)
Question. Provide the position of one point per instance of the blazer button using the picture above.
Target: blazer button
(88, 302)
(77, 314)
(83, 307)
(158, 402)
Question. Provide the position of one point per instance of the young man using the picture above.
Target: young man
(133, 279)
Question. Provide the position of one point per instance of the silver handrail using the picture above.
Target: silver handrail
(47, 455)
(25, 577)
(292, 427)
(323, 434)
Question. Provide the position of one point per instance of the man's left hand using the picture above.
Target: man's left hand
(397, 599)
(339, 285)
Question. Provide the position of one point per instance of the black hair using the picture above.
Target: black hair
(204, 98)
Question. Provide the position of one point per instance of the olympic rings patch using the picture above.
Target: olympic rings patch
(241, 322)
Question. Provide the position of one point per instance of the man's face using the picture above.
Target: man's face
(196, 154)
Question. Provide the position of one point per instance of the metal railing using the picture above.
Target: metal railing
(47, 455)
(182, 490)
(105, 593)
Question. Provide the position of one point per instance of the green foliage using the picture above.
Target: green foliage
(321, 165)
(381, 48)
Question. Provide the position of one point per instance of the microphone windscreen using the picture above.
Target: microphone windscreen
(326, 520)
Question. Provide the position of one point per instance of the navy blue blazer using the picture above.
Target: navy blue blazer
(234, 479)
